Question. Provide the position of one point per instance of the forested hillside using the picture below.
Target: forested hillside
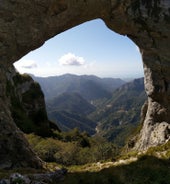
(119, 115)
(94, 105)
(70, 98)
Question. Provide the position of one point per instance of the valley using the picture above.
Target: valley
(69, 143)
(113, 143)
(110, 106)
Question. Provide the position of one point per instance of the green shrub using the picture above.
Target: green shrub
(79, 149)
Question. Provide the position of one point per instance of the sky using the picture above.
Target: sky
(88, 49)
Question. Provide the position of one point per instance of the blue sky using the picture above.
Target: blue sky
(90, 48)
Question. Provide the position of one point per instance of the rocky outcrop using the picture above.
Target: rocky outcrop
(26, 25)
(26, 109)
(27, 104)
(14, 148)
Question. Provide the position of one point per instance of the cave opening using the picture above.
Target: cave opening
(30, 24)
(80, 72)
(90, 49)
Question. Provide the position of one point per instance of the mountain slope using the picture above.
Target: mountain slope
(69, 110)
(88, 86)
(69, 120)
(71, 102)
(119, 115)
(68, 96)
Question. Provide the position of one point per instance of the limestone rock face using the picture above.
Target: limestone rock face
(26, 25)
(14, 148)
(27, 104)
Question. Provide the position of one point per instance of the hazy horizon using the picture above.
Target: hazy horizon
(127, 79)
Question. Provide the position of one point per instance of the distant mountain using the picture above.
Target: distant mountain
(121, 113)
(69, 110)
(69, 98)
(89, 87)
(70, 102)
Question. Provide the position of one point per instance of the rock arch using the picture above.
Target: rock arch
(26, 25)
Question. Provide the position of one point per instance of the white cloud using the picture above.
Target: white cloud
(25, 64)
(71, 59)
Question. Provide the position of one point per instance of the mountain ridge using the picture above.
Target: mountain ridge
(90, 87)
(70, 98)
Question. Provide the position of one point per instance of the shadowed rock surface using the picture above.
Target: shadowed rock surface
(26, 25)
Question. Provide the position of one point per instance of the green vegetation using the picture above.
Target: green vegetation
(71, 98)
(120, 115)
(72, 102)
(69, 110)
(87, 158)
(69, 120)
(147, 170)
(72, 148)
(161, 151)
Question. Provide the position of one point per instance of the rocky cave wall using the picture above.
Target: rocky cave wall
(26, 25)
